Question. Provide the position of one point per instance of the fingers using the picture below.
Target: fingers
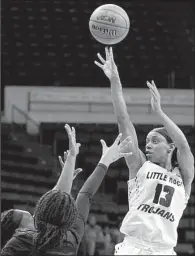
(76, 172)
(69, 132)
(101, 58)
(79, 169)
(153, 94)
(152, 86)
(111, 54)
(61, 161)
(117, 140)
(153, 89)
(68, 129)
(65, 155)
(73, 131)
(153, 83)
(78, 146)
(98, 64)
(73, 135)
(109, 58)
(149, 84)
(126, 154)
(126, 141)
(107, 53)
(103, 144)
(125, 145)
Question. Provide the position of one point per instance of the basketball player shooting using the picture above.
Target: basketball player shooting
(160, 180)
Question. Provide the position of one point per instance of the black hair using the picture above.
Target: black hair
(165, 134)
(8, 225)
(55, 214)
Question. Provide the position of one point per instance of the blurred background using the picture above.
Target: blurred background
(48, 44)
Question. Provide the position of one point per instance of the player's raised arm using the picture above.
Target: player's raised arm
(62, 162)
(65, 180)
(184, 155)
(125, 125)
(91, 185)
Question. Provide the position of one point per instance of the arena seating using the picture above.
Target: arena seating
(47, 43)
(24, 180)
(51, 44)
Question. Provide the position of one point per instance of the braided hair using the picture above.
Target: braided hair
(10, 221)
(164, 133)
(55, 214)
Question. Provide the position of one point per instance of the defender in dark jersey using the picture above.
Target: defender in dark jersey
(60, 225)
(14, 218)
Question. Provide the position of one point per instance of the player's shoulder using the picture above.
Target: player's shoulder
(147, 164)
(24, 238)
(25, 233)
(20, 244)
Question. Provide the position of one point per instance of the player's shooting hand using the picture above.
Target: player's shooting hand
(73, 145)
(108, 66)
(116, 151)
(155, 97)
(76, 172)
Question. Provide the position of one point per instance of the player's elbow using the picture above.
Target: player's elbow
(183, 145)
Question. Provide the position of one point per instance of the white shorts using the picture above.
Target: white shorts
(135, 249)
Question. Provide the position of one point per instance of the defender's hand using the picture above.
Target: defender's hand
(76, 172)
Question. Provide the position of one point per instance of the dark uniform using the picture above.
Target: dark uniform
(21, 244)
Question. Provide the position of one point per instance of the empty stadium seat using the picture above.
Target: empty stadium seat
(23, 176)
(51, 44)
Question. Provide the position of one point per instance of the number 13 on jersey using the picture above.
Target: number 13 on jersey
(166, 200)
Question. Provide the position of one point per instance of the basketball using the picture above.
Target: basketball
(109, 24)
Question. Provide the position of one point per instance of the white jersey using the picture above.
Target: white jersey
(156, 203)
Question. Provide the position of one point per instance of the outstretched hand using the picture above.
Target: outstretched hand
(73, 145)
(108, 65)
(76, 172)
(116, 151)
(155, 97)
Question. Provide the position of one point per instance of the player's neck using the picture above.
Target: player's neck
(169, 168)
(167, 165)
